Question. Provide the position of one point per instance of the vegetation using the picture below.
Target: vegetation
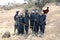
(40, 3)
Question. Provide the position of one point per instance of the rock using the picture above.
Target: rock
(6, 35)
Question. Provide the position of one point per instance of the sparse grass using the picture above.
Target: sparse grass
(52, 31)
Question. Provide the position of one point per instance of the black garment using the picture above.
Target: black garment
(16, 21)
(36, 23)
(42, 22)
(19, 20)
(26, 29)
(36, 27)
(32, 20)
(26, 21)
(15, 17)
(21, 25)
(42, 28)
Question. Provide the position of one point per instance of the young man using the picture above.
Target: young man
(42, 23)
(19, 23)
(36, 25)
(32, 19)
(26, 21)
(16, 21)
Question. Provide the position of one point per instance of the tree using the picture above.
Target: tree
(38, 3)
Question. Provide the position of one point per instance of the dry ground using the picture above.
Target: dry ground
(52, 31)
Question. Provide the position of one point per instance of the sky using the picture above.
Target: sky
(5, 2)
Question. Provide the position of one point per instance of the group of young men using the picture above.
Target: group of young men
(37, 21)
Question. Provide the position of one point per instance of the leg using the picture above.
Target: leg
(40, 28)
(26, 29)
(43, 28)
(31, 25)
(22, 29)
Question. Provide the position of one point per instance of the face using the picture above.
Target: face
(20, 14)
(47, 7)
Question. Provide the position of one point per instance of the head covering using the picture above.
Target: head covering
(17, 11)
(47, 7)
(26, 9)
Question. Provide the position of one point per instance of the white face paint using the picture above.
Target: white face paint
(32, 11)
(21, 14)
(36, 10)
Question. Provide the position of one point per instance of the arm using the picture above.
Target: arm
(44, 19)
